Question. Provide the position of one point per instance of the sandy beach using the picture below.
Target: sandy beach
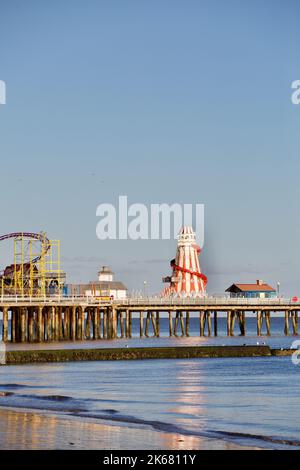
(24, 429)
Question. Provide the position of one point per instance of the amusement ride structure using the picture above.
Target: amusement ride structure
(36, 270)
(187, 279)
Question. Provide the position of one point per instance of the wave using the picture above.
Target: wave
(274, 440)
(51, 397)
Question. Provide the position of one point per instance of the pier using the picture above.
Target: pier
(51, 319)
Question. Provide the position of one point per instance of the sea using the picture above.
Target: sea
(155, 404)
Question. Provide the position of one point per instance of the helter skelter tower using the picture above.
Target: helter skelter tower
(187, 279)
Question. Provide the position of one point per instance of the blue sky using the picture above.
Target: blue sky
(163, 102)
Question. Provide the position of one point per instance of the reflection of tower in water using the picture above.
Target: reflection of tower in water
(187, 279)
(188, 405)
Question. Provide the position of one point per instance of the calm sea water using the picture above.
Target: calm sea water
(249, 401)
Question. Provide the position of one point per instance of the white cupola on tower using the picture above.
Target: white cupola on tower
(105, 274)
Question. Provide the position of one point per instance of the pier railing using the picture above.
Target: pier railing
(53, 299)
(208, 301)
(149, 301)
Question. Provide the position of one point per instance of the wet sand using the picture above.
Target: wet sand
(25, 430)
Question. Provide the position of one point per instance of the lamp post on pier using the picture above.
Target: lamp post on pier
(145, 289)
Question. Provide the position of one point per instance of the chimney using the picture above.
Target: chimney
(259, 282)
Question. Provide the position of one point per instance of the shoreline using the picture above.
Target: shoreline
(30, 356)
(53, 431)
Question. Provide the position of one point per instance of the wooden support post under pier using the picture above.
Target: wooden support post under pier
(130, 323)
(99, 322)
(182, 324)
(286, 323)
(73, 324)
(294, 323)
(79, 325)
(95, 324)
(215, 323)
(170, 323)
(208, 323)
(258, 322)
(53, 323)
(153, 324)
(13, 321)
(81, 315)
(40, 325)
(16, 324)
(268, 322)
(67, 323)
(157, 324)
(202, 323)
(244, 323)
(108, 323)
(114, 323)
(176, 323)
(228, 323)
(127, 323)
(46, 323)
(30, 325)
(232, 322)
(5, 325)
(23, 324)
(141, 324)
(187, 323)
(60, 324)
(147, 324)
(241, 320)
(122, 325)
(88, 324)
(105, 324)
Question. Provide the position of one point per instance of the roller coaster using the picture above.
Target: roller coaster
(36, 270)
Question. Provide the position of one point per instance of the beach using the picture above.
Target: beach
(23, 429)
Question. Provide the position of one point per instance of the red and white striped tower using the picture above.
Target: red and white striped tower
(187, 279)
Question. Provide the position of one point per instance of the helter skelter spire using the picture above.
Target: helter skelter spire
(187, 279)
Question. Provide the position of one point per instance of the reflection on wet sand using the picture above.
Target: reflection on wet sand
(27, 430)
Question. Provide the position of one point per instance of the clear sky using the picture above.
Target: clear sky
(163, 101)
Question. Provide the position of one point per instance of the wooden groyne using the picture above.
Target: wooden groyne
(71, 319)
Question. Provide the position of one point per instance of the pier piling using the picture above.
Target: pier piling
(31, 321)
(157, 324)
(141, 324)
(5, 325)
(170, 323)
(215, 323)
(286, 323)
(187, 323)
